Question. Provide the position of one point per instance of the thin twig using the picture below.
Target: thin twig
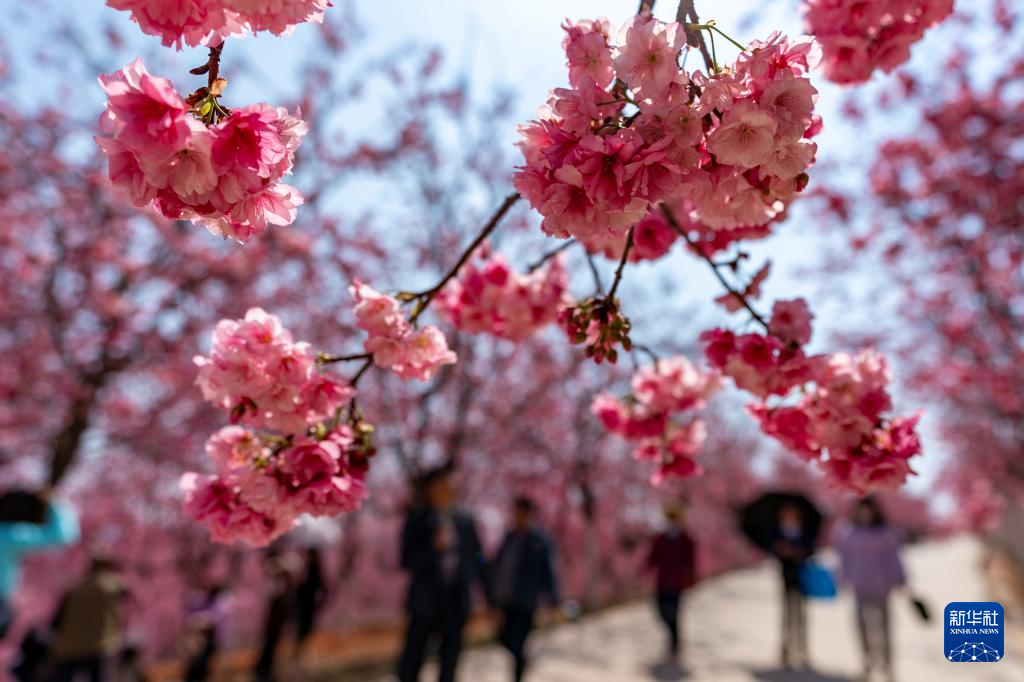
(693, 37)
(352, 406)
(646, 350)
(622, 265)
(714, 267)
(595, 273)
(325, 359)
(646, 8)
(425, 297)
(549, 255)
(728, 37)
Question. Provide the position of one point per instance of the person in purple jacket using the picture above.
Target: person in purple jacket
(673, 559)
(869, 553)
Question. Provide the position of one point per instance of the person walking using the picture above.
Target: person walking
(29, 523)
(869, 555)
(310, 596)
(205, 615)
(282, 570)
(523, 572)
(441, 551)
(88, 626)
(673, 559)
(793, 545)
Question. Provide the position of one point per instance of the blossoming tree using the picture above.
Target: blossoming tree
(943, 219)
(637, 150)
(330, 377)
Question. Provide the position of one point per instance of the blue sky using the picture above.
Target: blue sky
(517, 46)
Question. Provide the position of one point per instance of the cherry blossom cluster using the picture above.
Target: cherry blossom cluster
(209, 22)
(393, 341)
(829, 409)
(266, 379)
(261, 487)
(598, 324)
(662, 392)
(732, 147)
(858, 37)
(225, 176)
(490, 297)
(295, 457)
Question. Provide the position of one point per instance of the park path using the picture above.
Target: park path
(731, 634)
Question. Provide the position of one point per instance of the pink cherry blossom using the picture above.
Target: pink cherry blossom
(673, 384)
(277, 16)
(588, 53)
(791, 321)
(225, 176)
(234, 447)
(647, 57)
(746, 137)
(422, 353)
(669, 388)
(377, 314)
(859, 37)
(147, 112)
(208, 22)
(489, 297)
(264, 378)
(727, 151)
(250, 139)
(839, 417)
(393, 342)
(211, 500)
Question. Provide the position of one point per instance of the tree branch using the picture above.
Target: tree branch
(425, 297)
(549, 255)
(622, 265)
(714, 267)
(694, 38)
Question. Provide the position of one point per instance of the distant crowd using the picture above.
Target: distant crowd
(445, 560)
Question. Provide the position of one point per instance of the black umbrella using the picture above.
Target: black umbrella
(759, 520)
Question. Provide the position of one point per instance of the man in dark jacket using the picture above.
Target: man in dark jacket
(441, 550)
(524, 570)
(673, 558)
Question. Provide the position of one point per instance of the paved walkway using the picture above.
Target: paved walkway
(731, 625)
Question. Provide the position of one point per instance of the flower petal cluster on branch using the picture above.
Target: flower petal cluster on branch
(731, 147)
(263, 481)
(264, 378)
(489, 297)
(209, 22)
(260, 489)
(224, 176)
(393, 341)
(857, 36)
(830, 409)
(671, 387)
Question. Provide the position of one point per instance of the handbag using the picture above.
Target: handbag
(920, 608)
(816, 581)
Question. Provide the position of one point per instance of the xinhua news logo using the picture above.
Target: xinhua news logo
(974, 632)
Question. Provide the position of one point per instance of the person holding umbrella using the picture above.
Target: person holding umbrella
(786, 525)
(793, 546)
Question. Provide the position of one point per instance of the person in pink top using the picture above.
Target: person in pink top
(869, 553)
